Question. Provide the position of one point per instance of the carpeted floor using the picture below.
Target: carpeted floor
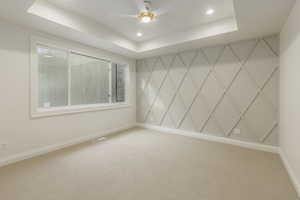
(146, 165)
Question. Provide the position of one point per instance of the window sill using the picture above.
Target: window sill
(48, 112)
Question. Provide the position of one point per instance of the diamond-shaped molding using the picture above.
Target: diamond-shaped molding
(228, 90)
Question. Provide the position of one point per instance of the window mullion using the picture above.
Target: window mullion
(69, 78)
(110, 82)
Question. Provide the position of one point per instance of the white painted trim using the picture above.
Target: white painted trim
(290, 171)
(66, 110)
(50, 148)
(249, 145)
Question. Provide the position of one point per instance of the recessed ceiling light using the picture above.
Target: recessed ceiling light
(139, 34)
(210, 11)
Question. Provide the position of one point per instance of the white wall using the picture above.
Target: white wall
(17, 129)
(290, 91)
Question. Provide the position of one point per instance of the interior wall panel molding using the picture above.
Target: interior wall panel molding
(228, 90)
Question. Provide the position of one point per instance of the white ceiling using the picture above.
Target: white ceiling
(177, 15)
(184, 25)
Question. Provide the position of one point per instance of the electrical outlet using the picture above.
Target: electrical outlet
(237, 131)
(101, 139)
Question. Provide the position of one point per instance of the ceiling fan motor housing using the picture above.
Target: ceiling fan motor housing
(147, 5)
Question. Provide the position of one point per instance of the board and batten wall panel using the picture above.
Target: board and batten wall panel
(24, 134)
(227, 90)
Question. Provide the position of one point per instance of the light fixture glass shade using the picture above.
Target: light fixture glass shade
(146, 17)
(210, 11)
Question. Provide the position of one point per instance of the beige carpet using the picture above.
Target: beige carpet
(146, 165)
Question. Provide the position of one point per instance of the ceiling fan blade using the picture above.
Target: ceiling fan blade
(160, 11)
(125, 16)
(165, 8)
(128, 16)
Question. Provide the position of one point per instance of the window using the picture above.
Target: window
(89, 80)
(65, 81)
(118, 80)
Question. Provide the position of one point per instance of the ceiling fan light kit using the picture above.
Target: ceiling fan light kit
(146, 17)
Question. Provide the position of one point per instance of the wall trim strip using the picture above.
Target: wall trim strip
(220, 79)
(249, 145)
(50, 148)
(290, 171)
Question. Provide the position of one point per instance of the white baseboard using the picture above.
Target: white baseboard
(290, 171)
(50, 148)
(249, 145)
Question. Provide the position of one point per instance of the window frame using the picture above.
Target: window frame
(37, 112)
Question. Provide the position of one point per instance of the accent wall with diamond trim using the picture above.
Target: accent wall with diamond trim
(228, 90)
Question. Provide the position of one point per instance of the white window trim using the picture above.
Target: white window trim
(37, 112)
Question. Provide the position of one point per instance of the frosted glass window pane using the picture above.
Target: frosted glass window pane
(53, 77)
(121, 73)
(118, 82)
(89, 80)
(113, 82)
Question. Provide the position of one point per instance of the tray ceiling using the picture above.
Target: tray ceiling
(177, 15)
(183, 24)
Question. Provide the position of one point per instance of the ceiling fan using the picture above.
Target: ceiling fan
(146, 16)
(146, 13)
